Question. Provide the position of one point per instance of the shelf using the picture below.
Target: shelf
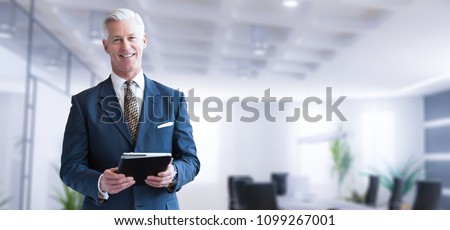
(437, 123)
(437, 156)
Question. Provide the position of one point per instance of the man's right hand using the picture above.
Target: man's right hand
(112, 182)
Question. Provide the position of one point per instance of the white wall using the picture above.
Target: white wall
(385, 131)
(52, 109)
(12, 102)
(11, 118)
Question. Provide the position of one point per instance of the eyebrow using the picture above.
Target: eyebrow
(120, 37)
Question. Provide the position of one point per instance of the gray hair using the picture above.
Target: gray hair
(119, 15)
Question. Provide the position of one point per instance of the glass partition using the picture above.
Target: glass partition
(80, 77)
(38, 75)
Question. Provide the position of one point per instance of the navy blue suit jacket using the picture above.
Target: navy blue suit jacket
(96, 136)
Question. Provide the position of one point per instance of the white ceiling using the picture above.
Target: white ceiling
(360, 47)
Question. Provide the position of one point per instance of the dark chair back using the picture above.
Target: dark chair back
(395, 201)
(260, 196)
(372, 190)
(280, 182)
(235, 191)
(428, 195)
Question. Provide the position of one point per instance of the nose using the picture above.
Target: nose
(125, 44)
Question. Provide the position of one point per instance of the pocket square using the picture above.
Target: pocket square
(165, 125)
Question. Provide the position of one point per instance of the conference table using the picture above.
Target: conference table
(292, 203)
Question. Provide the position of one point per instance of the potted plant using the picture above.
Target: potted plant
(342, 159)
(68, 198)
(409, 173)
(356, 197)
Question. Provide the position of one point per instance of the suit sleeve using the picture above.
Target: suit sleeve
(75, 171)
(184, 149)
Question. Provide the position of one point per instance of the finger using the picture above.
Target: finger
(159, 181)
(165, 176)
(168, 171)
(112, 175)
(153, 183)
(114, 185)
(156, 179)
(157, 184)
(110, 170)
(122, 186)
(120, 180)
(165, 173)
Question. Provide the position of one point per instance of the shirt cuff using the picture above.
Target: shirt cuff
(101, 195)
(174, 182)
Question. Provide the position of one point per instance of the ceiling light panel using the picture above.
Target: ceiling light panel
(188, 9)
(236, 63)
(186, 60)
(177, 46)
(327, 38)
(183, 28)
(245, 50)
(351, 16)
(243, 33)
(309, 54)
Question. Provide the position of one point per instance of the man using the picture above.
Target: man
(127, 112)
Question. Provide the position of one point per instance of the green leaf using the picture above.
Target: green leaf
(68, 198)
(409, 172)
(411, 178)
(342, 159)
(4, 201)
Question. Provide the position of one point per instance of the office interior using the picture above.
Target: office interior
(382, 64)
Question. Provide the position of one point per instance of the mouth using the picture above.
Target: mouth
(127, 55)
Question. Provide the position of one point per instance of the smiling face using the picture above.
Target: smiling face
(125, 45)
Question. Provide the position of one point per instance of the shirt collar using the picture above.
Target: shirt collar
(118, 81)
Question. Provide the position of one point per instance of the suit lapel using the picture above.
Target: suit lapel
(151, 105)
(109, 102)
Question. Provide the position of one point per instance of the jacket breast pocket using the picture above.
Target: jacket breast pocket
(164, 128)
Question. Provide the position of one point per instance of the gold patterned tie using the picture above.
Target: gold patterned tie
(131, 110)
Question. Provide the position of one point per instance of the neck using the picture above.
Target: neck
(128, 75)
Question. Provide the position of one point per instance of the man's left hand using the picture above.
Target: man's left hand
(163, 179)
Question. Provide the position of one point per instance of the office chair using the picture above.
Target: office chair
(280, 182)
(235, 191)
(260, 196)
(395, 201)
(372, 191)
(428, 195)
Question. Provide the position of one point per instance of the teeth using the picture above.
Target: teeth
(127, 55)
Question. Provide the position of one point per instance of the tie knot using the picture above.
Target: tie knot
(129, 83)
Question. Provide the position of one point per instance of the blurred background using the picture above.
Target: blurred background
(388, 58)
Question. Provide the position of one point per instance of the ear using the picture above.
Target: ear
(145, 40)
(105, 45)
